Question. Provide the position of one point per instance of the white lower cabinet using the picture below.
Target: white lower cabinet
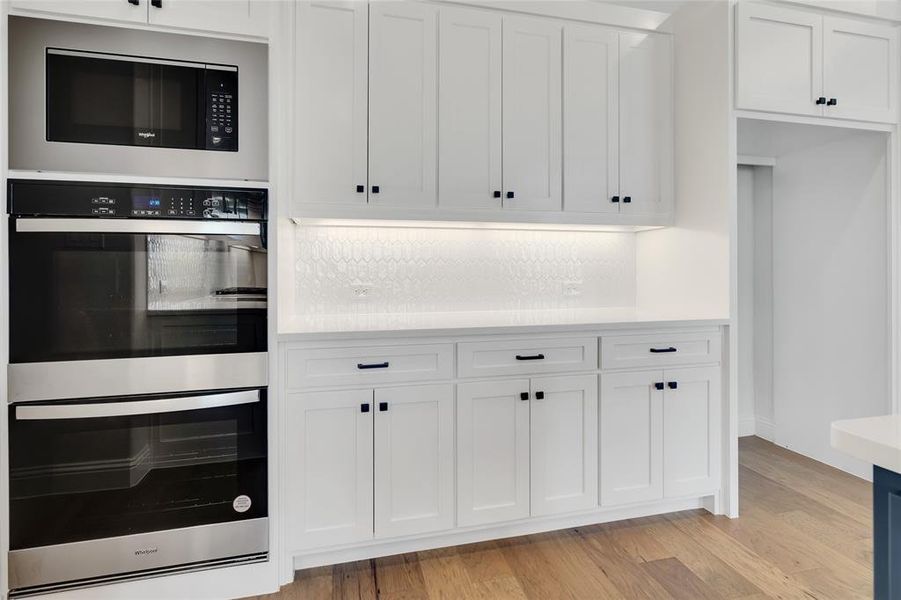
(356, 454)
(659, 434)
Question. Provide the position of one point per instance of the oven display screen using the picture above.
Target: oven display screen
(146, 202)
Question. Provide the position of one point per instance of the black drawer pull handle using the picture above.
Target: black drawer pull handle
(135, 2)
(663, 350)
(673, 385)
(510, 195)
(524, 395)
(659, 385)
(497, 193)
(832, 102)
(614, 199)
(821, 100)
(361, 189)
(539, 395)
(627, 199)
(364, 408)
(383, 406)
(383, 365)
(530, 357)
(375, 189)
(156, 3)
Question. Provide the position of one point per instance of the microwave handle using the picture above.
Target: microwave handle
(47, 412)
(158, 226)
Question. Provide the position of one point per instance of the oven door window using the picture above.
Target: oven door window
(82, 296)
(74, 479)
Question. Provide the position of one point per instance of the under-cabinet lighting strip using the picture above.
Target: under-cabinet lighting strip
(322, 222)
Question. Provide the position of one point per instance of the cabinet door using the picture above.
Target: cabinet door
(590, 110)
(414, 459)
(860, 70)
(403, 123)
(691, 415)
(646, 124)
(469, 109)
(532, 115)
(564, 444)
(631, 437)
(492, 451)
(330, 91)
(117, 10)
(247, 17)
(779, 59)
(329, 468)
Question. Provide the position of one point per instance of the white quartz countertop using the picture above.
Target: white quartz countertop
(875, 440)
(317, 327)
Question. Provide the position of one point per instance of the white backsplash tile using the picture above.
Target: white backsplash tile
(369, 270)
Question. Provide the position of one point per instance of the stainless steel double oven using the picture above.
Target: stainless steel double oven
(137, 414)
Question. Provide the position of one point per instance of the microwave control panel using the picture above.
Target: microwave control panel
(221, 108)
(81, 199)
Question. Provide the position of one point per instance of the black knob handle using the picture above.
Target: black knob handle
(375, 189)
(364, 408)
(361, 189)
(156, 3)
(614, 199)
(673, 385)
(627, 199)
(832, 102)
(524, 396)
(497, 193)
(659, 385)
(383, 406)
(539, 395)
(135, 2)
(821, 100)
(509, 194)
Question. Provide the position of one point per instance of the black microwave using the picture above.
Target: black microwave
(101, 98)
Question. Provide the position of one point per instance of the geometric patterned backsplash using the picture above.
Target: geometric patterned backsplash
(365, 270)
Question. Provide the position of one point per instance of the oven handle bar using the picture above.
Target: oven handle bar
(161, 226)
(141, 407)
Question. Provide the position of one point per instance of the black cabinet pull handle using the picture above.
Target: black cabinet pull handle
(530, 357)
(509, 194)
(497, 193)
(156, 3)
(364, 408)
(673, 385)
(383, 406)
(663, 350)
(659, 385)
(135, 2)
(627, 199)
(539, 395)
(821, 100)
(614, 199)
(383, 365)
(361, 189)
(524, 396)
(375, 189)
(832, 102)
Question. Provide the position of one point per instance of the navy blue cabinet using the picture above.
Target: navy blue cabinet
(886, 533)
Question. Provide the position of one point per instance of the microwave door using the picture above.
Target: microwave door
(178, 106)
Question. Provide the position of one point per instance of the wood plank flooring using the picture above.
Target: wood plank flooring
(805, 532)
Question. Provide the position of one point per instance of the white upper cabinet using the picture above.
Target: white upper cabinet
(331, 98)
(564, 444)
(414, 459)
(532, 114)
(469, 103)
(590, 126)
(645, 124)
(403, 88)
(116, 10)
(800, 62)
(860, 70)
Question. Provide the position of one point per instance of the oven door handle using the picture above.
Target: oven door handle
(48, 412)
(160, 226)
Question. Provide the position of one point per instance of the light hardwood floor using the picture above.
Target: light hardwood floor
(805, 532)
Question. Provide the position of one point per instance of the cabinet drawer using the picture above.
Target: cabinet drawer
(320, 367)
(659, 350)
(524, 357)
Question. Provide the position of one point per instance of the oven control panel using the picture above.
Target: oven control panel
(82, 199)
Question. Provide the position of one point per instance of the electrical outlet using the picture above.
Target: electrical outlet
(361, 291)
(572, 289)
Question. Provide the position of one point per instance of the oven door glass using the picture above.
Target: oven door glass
(112, 100)
(90, 470)
(83, 296)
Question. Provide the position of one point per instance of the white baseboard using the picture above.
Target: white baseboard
(747, 426)
(765, 429)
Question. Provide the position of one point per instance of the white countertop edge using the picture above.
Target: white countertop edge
(456, 331)
(876, 440)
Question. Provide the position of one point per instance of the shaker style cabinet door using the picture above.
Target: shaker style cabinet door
(414, 459)
(860, 70)
(779, 59)
(331, 102)
(403, 120)
(691, 415)
(591, 117)
(631, 437)
(492, 451)
(564, 443)
(247, 17)
(329, 482)
(645, 124)
(469, 109)
(532, 115)
(116, 10)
